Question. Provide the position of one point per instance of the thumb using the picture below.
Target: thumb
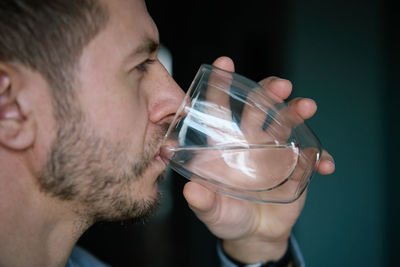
(201, 200)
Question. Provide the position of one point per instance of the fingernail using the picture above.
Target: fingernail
(331, 161)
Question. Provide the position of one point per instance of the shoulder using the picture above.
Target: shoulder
(82, 258)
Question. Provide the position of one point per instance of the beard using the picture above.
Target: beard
(98, 176)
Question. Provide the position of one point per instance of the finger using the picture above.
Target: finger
(217, 104)
(275, 124)
(305, 107)
(257, 120)
(281, 88)
(297, 110)
(224, 63)
(327, 164)
(219, 82)
(253, 119)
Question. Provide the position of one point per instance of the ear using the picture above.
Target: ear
(16, 126)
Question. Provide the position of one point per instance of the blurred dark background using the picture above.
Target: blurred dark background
(342, 53)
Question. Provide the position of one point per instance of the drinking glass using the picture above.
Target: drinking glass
(237, 138)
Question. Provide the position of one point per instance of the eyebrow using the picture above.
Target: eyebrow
(149, 46)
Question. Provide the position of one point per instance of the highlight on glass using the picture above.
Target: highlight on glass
(239, 139)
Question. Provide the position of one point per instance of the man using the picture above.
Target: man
(84, 103)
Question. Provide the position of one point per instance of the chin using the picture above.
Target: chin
(138, 210)
(146, 209)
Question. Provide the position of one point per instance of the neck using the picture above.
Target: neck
(35, 229)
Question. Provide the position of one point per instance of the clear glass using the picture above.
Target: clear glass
(239, 139)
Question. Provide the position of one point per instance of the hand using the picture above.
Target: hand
(253, 232)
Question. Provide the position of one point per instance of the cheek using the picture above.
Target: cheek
(119, 116)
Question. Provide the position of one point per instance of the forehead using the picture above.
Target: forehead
(129, 23)
(108, 55)
(128, 27)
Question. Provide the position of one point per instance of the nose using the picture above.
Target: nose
(164, 96)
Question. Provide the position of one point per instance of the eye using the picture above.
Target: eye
(143, 67)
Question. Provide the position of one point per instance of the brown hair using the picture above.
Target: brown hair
(48, 36)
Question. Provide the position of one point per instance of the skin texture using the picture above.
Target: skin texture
(253, 232)
(56, 180)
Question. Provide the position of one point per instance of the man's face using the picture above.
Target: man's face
(107, 159)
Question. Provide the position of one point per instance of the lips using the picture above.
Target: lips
(157, 155)
(167, 150)
(158, 164)
(166, 154)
